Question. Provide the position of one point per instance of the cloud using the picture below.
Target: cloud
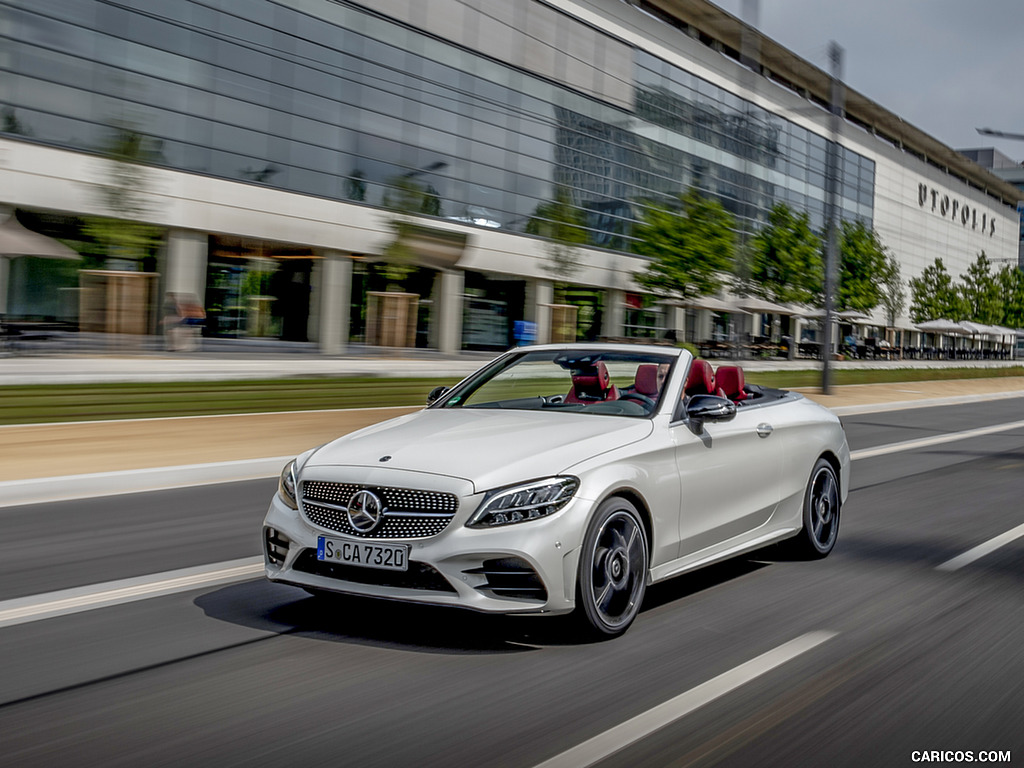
(945, 66)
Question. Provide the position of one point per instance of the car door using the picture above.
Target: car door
(730, 477)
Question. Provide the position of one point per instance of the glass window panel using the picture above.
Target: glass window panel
(244, 31)
(156, 33)
(52, 97)
(38, 30)
(240, 113)
(314, 132)
(317, 158)
(229, 137)
(315, 107)
(244, 60)
(46, 64)
(74, 11)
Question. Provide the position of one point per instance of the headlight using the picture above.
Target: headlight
(524, 502)
(286, 485)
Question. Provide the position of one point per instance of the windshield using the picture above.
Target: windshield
(585, 381)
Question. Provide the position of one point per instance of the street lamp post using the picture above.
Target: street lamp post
(835, 55)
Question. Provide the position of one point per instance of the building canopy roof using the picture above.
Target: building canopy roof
(783, 66)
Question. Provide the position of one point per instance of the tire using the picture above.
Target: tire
(613, 567)
(820, 514)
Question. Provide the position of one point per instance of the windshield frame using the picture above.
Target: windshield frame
(567, 357)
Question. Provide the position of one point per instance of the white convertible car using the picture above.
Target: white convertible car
(562, 478)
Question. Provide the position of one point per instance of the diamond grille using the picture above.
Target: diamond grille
(408, 514)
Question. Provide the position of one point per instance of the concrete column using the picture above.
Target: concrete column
(5, 272)
(796, 330)
(614, 313)
(677, 321)
(331, 300)
(539, 296)
(187, 255)
(704, 325)
(449, 309)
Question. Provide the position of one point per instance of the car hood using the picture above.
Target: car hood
(489, 448)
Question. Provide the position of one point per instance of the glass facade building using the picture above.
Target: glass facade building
(478, 119)
(331, 100)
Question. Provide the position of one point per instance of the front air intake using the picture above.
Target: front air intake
(275, 545)
(511, 577)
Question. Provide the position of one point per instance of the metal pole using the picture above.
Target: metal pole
(835, 54)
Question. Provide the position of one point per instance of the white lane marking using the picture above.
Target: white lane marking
(23, 610)
(924, 442)
(40, 490)
(983, 549)
(623, 735)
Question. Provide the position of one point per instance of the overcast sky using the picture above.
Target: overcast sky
(945, 66)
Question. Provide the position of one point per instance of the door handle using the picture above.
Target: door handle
(763, 430)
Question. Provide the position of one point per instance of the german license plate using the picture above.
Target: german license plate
(390, 557)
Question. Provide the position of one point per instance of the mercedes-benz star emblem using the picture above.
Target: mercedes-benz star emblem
(365, 511)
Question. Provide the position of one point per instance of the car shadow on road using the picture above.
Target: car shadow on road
(286, 610)
(689, 584)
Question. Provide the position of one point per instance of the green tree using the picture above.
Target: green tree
(785, 259)
(933, 295)
(981, 293)
(9, 123)
(1011, 284)
(124, 233)
(563, 226)
(405, 199)
(894, 297)
(691, 249)
(863, 261)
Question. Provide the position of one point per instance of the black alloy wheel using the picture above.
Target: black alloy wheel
(820, 513)
(613, 570)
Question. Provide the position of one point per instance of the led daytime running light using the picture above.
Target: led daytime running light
(525, 502)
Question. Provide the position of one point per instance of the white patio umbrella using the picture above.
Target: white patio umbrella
(810, 313)
(15, 241)
(854, 316)
(764, 307)
(715, 305)
(943, 326)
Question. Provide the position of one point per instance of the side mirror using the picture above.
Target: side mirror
(709, 408)
(436, 394)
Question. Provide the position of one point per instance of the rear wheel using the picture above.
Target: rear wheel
(820, 514)
(612, 571)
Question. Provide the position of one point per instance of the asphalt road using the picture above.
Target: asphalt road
(878, 652)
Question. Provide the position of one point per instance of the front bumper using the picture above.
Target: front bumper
(522, 568)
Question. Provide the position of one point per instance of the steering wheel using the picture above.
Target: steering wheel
(644, 400)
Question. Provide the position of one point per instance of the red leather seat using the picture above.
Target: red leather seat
(646, 380)
(592, 386)
(701, 379)
(729, 379)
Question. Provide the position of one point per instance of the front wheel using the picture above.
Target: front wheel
(612, 571)
(820, 514)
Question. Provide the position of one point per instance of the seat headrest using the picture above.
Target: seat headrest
(729, 378)
(646, 381)
(701, 379)
(592, 382)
